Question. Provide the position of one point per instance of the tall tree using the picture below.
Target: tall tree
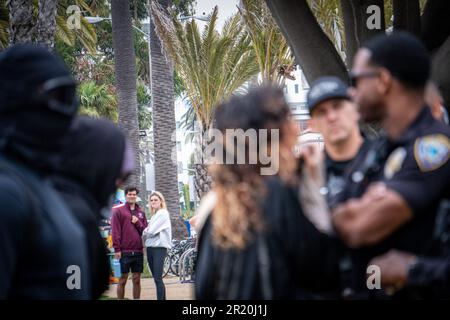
(46, 23)
(274, 57)
(21, 21)
(427, 19)
(125, 68)
(164, 127)
(211, 65)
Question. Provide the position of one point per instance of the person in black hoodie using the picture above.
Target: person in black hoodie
(95, 160)
(42, 251)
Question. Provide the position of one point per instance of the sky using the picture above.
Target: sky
(226, 9)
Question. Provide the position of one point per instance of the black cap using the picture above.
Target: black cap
(405, 56)
(326, 88)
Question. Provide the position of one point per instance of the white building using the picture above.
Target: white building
(295, 92)
(184, 150)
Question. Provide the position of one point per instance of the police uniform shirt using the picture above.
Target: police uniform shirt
(415, 166)
(336, 172)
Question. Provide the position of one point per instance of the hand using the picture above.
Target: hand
(117, 255)
(394, 266)
(134, 219)
(313, 159)
(376, 191)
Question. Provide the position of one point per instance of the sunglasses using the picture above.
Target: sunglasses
(353, 77)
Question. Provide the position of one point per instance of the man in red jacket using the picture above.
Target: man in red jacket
(128, 222)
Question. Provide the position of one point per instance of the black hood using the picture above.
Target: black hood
(30, 131)
(92, 157)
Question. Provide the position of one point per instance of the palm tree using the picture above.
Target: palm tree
(17, 16)
(274, 57)
(125, 68)
(46, 23)
(4, 25)
(97, 101)
(166, 173)
(211, 65)
(21, 21)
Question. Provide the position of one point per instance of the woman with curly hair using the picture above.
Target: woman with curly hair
(256, 242)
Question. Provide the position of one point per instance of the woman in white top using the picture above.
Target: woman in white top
(158, 238)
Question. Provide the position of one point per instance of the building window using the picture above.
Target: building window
(179, 146)
(180, 167)
(296, 88)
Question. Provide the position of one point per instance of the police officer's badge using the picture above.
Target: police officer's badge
(394, 162)
(431, 151)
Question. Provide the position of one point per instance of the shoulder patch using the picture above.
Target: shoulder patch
(394, 162)
(431, 152)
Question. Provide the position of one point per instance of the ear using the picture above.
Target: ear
(385, 80)
(356, 111)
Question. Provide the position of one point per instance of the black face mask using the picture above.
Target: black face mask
(36, 136)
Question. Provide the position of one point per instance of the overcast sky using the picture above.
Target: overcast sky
(226, 9)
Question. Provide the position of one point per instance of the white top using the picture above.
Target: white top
(159, 230)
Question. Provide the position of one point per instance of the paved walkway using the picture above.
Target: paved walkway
(175, 290)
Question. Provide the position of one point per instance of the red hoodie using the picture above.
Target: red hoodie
(126, 235)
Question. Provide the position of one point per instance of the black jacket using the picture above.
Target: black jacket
(91, 162)
(39, 239)
(301, 260)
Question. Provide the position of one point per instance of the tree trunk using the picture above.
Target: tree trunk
(46, 23)
(435, 32)
(312, 48)
(355, 24)
(166, 173)
(441, 71)
(125, 67)
(20, 21)
(202, 179)
(407, 15)
(435, 24)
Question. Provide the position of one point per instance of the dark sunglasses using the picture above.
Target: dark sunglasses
(353, 77)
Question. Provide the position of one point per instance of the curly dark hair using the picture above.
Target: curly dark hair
(240, 188)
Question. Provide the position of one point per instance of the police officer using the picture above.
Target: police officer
(392, 196)
(335, 116)
(42, 251)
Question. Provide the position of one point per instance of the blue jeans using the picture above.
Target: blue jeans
(155, 258)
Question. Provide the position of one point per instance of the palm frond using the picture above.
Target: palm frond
(211, 65)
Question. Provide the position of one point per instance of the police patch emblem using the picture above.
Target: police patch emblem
(394, 162)
(431, 152)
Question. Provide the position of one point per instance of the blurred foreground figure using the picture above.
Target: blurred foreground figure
(255, 242)
(391, 198)
(43, 252)
(95, 160)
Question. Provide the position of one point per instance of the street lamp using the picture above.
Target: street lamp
(182, 18)
(93, 20)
